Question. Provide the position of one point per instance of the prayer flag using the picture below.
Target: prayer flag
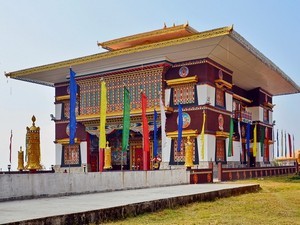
(10, 145)
(262, 140)
(290, 145)
(145, 123)
(294, 152)
(73, 92)
(103, 106)
(282, 150)
(202, 135)
(248, 139)
(180, 124)
(155, 142)
(267, 152)
(126, 120)
(240, 134)
(163, 123)
(255, 140)
(277, 139)
(230, 150)
(285, 145)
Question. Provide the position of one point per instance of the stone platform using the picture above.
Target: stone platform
(101, 207)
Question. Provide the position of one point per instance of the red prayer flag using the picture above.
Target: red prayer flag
(10, 143)
(145, 123)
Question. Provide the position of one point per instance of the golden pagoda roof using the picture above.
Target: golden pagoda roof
(251, 69)
(167, 33)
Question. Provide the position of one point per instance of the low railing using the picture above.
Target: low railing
(202, 176)
(244, 116)
(229, 174)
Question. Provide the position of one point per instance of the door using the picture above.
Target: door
(94, 162)
(138, 159)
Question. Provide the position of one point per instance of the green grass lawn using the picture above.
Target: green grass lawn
(278, 202)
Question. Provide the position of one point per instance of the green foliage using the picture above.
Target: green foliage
(276, 203)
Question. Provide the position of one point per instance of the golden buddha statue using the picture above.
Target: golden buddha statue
(33, 147)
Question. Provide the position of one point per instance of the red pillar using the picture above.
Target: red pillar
(101, 159)
(145, 160)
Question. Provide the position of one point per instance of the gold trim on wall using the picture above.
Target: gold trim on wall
(66, 141)
(238, 97)
(221, 83)
(185, 80)
(185, 133)
(222, 134)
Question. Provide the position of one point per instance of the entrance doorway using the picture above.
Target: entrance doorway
(94, 162)
(137, 154)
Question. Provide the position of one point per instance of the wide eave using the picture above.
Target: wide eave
(251, 69)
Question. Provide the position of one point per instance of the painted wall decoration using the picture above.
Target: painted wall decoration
(221, 122)
(183, 71)
(184, 94)
(149, 79)
(180, 156)
(220, 97)
(186, 120)
(71, 155)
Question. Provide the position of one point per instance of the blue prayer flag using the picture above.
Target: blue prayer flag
(73, 92)
(248, 139)
(180, 124)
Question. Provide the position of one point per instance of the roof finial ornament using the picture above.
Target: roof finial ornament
(186, 24)
(165, 25)
(174, 25)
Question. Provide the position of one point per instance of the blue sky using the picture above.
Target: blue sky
(37, 32)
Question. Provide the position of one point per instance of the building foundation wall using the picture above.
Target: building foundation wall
(27, 186)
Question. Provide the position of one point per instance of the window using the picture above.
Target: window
(220, 150)
(266, 116)
(220, 97)
(184, 94)
(71, 155)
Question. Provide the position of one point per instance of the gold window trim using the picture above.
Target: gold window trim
(238, 97)
(66, 141)
(222, 134)
(135, 112)
(185, 80)
(221, 83)
(185, 133)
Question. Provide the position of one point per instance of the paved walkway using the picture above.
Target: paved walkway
(24, 210)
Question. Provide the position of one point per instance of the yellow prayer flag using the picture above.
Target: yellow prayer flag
(254, 141)
(103, 106)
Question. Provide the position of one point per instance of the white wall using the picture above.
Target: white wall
(236, 151)
(58, 111)
(21, 186)
(83, 152)
(58, 152)
(205, 91)
(257, 113)
(228, 99)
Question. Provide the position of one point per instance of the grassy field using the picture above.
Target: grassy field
(278, 202)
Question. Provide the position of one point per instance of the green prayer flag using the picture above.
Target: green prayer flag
(230, 151)
(126, 120)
